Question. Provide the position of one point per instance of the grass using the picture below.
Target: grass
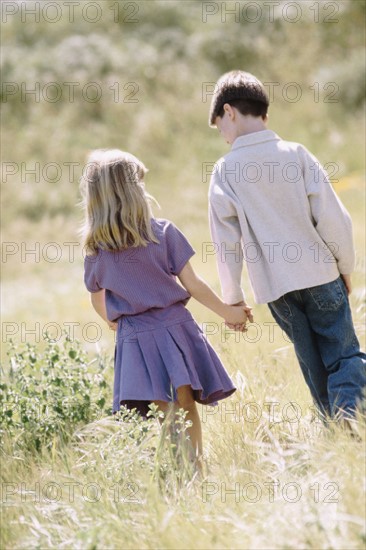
(270, 485)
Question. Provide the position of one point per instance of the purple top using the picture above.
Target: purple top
(141, 278)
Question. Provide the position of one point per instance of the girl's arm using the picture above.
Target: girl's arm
(233, 315)
(98, 303)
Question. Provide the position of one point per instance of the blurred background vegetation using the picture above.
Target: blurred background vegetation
(152, 62)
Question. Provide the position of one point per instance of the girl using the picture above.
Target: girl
(132, 262)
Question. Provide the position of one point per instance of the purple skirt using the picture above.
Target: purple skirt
(159, 350)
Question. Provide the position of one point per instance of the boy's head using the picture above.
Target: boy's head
(238, 91)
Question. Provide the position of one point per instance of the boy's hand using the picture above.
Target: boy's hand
(248, 310)
(347, 282)
(248, 313)
(236, 318)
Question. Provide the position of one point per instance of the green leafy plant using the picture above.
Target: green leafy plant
(46, 394)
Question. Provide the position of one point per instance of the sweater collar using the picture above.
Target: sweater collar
(254, 138)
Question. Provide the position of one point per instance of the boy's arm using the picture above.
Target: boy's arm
(98, 303)
(331, 219)
(226, 235)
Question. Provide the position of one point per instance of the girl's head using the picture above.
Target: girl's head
(117, 207)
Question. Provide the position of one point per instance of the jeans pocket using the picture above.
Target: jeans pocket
(281, 310)
(328, 297)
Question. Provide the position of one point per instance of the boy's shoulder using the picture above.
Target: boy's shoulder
(242, 148)
(276, 150)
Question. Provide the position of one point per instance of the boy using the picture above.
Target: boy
(275, 199)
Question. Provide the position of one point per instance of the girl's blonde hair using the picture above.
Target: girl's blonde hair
(117, 208)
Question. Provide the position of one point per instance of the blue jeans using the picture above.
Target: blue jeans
(318, 321)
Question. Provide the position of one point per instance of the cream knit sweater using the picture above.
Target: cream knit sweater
(271, 205)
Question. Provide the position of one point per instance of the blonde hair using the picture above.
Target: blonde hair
(117, 207)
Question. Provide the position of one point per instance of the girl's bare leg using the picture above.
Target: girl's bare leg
(185, 400)
(165, 407)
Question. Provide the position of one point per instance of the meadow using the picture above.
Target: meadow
(72, 476)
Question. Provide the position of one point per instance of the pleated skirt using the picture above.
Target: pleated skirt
(160, 350)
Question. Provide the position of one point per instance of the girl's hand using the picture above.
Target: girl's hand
(248, 311)
(236, 318)
(112, 325)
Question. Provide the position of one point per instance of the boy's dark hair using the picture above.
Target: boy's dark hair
(241, 90)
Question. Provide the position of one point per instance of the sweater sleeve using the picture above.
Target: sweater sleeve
(331, 219)
(226, 235)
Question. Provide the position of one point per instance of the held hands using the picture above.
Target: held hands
(112, 325)
(238, 315)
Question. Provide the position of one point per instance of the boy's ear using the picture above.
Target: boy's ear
(229, 110)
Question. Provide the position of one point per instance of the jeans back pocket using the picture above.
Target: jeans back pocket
(330, 296)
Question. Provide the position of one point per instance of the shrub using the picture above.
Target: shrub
(45, 395)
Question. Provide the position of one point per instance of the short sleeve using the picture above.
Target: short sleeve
(90, 275)
(178, 248)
